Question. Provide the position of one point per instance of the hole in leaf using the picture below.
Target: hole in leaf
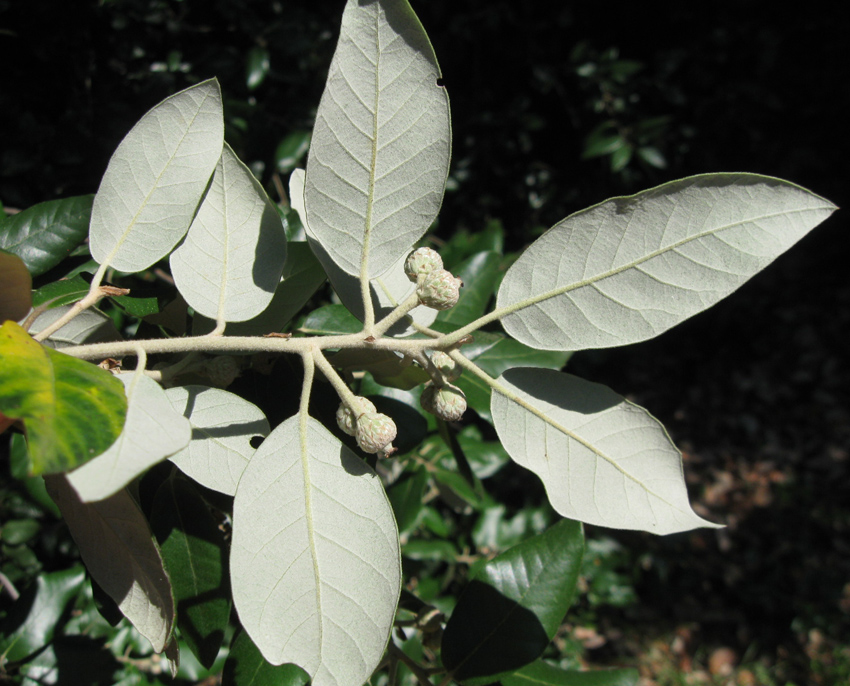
(256, 441)
(441, 83)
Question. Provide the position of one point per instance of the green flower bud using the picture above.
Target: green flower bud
(375, 432)
(439, 290)
(448, 368)
(448, 402)
(420, 262)
(347, 420)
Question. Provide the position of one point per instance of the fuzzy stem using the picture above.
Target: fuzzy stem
(308, 358)
(342, 389)
(256, 344)
(94, 295)
(400, 311)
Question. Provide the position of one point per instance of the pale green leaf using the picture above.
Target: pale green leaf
(302, 276)
(152, 432)
(630, 268)
(388, 290)
(296, 200)
(602, 459)
(118, 549)
(89, 326)
(315, 562)
(231, 261)
(380, 151)
(223, 425)
(156, 178)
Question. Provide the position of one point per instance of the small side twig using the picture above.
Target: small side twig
(422, 675)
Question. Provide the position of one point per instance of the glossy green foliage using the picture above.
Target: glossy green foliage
(34, 618)
(246, 666)
(45, 234)
(193, 549)
(512, 608)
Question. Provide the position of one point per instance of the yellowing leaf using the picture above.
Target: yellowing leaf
(72, 410)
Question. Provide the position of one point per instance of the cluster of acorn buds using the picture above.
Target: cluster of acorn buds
(436, 287)
(446, 402)
(375, 432)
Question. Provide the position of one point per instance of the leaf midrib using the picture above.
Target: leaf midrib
(111, 255)
(561, 290)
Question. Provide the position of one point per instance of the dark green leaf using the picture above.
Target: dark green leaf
(331, 319)
(480, 275)
(72, 410)
(245, 666)
(494, 531)
(543, 674)
(621, 157)
(192, 547)
(511, 610)
(72, 661)
(33, 619)
(461, 463)
(257, 67)
(434, 522)
(43, 235)
(63, 292)
(459, 487)
(485, 457)
(406, 498)
(15, 287)
(291, 151)
(411, 425)
(17, 531)
(139, 306)
(600, 145)
(465, 243)
(385, 366)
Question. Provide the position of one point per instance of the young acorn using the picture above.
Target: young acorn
(422, 262)
(447, 403)
(439, 290)
(375, 433)
(347, 420)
